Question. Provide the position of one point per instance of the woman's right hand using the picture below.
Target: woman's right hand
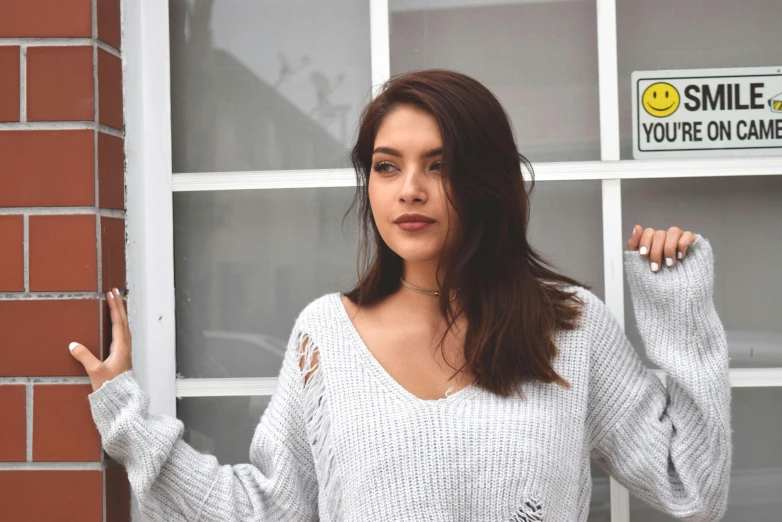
(119, 359)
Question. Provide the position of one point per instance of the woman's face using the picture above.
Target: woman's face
(407, 178)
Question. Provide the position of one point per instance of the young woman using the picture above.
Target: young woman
(461, 379)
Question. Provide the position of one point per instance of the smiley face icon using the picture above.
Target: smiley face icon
(660, 99)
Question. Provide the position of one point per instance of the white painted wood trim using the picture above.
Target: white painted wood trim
(564, 171)
(237, 387)
(379, 36)
(613, 247)
(608, 82)
(150, 249)
(746, 377)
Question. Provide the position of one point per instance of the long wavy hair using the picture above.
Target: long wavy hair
(510, 293)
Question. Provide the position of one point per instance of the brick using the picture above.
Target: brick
(38, 496)
(111, 171)
(9, 83)
(117, 494)
(60, 84)
(47, 168)
(112, 237)
(63, 253)
(13, 427)
(109, 89)
(35, 334)
(63, 429)
(45, 18)
(12, 253)
(109, 22)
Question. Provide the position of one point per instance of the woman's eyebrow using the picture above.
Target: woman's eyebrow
(393, 152)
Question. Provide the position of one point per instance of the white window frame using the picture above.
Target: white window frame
(151, 184)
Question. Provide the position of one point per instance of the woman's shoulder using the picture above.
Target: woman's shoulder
(593, 308)
(584, 295)
(320, 310)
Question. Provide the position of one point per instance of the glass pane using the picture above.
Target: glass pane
(600, 504)
(740, 216)
(691, 34)
(538, 58)
(247, 262)
(222, 426)
(255, 85)
(756, 481)
(566, 227)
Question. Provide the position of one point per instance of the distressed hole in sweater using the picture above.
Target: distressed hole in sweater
(529, 511)
(318, 420)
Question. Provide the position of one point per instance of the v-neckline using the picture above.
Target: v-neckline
(382, 373)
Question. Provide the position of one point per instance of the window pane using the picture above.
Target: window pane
(247, 262)
(756, 480)
(538, 58)
(691, 34)
(266, 85)
(221, 426)
(566, 226)
(740, 216)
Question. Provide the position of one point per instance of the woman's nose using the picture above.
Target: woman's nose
(413, 187)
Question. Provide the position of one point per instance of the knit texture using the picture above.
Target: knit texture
(351, 444)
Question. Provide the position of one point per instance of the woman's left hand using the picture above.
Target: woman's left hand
(658, 244)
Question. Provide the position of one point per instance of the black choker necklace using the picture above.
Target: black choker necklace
(434, 293)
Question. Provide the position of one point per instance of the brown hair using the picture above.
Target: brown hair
(511, 308)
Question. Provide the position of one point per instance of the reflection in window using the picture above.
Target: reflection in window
(538, 58)
(258, 86)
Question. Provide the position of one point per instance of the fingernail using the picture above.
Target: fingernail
(643, 250)
(680, 255)
(111, 295)
(669, 261)
(116, 292)
(655, 267)
(633, 232)
(72, 346)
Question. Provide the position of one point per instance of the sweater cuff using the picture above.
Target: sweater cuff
(116, 398)
(691, 277)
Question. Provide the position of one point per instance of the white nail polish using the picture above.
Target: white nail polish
(679, 255)
(669, 261)
(633, 232)
(655, 267)
(643, 250)
(111, 295)
(72, 346)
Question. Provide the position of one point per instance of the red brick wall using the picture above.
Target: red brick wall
(62, 244)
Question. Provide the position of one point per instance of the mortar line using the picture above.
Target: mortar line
(29, 420)
(26, 247)
(46, 42)
(47, 125)
(48, 296)
(22, 83)
(52, 466)
(45, 380)
(96, 115)
(109, 48)
(110, 130)
(63, 211)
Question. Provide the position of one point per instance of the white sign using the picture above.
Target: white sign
(707, 112)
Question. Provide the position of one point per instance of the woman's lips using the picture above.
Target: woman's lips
(412, 226)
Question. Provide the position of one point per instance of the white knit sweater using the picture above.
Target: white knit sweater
(353, 445)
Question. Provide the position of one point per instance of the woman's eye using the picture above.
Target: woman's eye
(437, 165)
(383, 167)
